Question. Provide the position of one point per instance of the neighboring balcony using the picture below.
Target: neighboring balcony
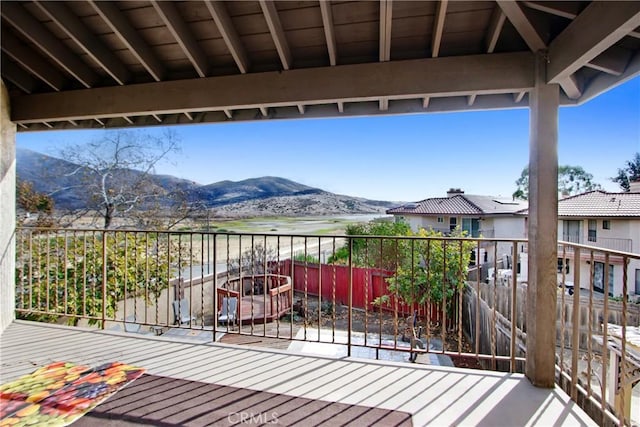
(179, 303)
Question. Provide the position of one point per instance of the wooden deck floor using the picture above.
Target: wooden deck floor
(433, 395)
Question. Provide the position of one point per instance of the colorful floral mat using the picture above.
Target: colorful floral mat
(60, 393)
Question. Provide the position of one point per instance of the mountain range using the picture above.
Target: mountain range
(268, 195)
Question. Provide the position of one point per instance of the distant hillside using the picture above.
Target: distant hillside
(251, 197)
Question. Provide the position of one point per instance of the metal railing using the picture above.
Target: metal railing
(359, 294)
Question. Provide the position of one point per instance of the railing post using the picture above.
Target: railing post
(104, 278)
(350, 298)
(215, 278)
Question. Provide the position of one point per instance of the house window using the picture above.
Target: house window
(471, 226)
(566, 266)
(453, 223)
(606, 224)
(598, 278)
(592, 230)
(637, 281)
(440, 219)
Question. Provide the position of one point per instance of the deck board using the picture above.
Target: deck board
(432, 394)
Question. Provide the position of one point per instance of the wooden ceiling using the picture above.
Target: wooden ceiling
(95, 64)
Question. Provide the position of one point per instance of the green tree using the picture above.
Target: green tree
(571, 180)
(63, 275)
(629, 173)
(34, 203)
(373, 252)
(431, 268)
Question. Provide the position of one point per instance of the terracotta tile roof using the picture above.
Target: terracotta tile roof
(600, 204)
(461, 204)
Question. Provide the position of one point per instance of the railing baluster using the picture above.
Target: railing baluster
(575, 327)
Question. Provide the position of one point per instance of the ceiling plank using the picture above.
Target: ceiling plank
(277, 33)
(181, 32)
(228, 31)
(612, 61)
(35, 32)
(522, 24)
(79, 33)
(386, 17)
(329, 33)
(438, 27)
(416, 79)
(597, 28)
(31, 61)
(17, 76)
(495, 28)
(119, 24)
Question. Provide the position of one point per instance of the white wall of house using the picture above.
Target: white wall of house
(7, 212)
(623, 234)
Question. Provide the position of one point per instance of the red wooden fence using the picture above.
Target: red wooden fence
(331, 282)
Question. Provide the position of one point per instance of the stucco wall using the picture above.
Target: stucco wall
(7, 211)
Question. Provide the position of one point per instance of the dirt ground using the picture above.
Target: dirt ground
(386, 324)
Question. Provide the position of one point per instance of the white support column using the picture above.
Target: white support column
(8, 211)
(543, 228)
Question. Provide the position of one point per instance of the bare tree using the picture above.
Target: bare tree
(116, 170)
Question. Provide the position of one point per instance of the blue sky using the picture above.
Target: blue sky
(400, 158)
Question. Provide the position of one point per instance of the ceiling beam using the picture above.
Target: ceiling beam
(119, 24)
(31, 61)
(596, 29)
(218, 11)
(438, 27)
(425, 102)
(565, 9)
(301, 108)
(383, 104)
(277, 33)
(527, 31)
(471, 99)
(605, 82)
(181, 32)
(418, 78)
(386, 17)
(495, 28)
(17, 76)
(34, 31)
(517, 97)
(329, 34)
(83, 37)
(612, 61)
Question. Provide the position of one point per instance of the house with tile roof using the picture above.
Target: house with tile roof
(480, 216)
(604, 220)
